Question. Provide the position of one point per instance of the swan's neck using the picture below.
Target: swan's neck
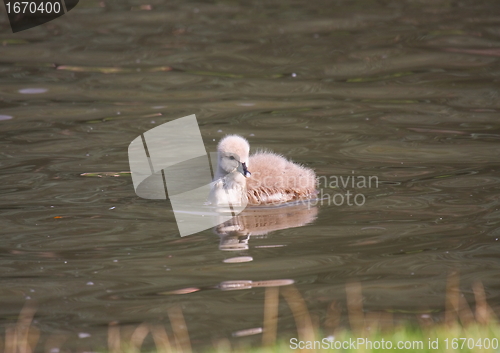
(234, 181)
(230, 189)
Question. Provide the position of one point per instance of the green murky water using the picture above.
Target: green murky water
(403, 91)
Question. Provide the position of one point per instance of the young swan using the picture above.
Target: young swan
(261, 179)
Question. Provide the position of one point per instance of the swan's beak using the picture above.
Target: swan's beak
(242, 168)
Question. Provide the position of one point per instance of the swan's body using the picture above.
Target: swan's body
(261, 179)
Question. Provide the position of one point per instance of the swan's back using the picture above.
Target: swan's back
(276, 180)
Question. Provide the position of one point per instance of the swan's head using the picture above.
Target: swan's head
(233, 151)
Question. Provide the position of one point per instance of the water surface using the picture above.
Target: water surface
(404, 91)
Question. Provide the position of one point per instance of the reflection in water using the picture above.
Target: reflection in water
(259, 221)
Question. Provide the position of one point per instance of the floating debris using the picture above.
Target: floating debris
(235, 285)
(105, 174)
(247, 332)
(181, 291)
(268, 246)
(238, 259)
(110, 69)
(33, 90)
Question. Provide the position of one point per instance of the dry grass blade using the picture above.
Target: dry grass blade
(333, 314)
(138, 337)
(465, 313)
(179, 327)
(300, 313)
(22, 338)
(114, 342)
(161, 339)
(482, 308)
(270, 316)
(33, 337)
(10, 340)
(355, 306)
(23, 327)
(452, 299)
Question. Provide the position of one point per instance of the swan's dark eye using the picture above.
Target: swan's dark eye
(231, 158)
